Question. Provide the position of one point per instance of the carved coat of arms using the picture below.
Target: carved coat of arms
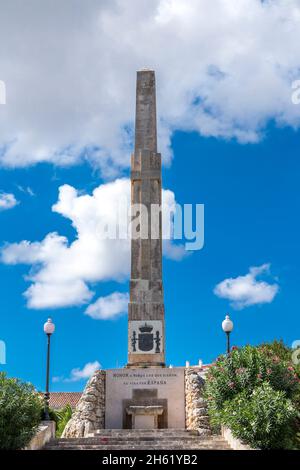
(145, 340)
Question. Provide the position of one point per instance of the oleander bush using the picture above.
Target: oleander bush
(20, 409)
(264, 419)
(233, 387)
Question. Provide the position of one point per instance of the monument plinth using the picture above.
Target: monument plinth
(146, 324)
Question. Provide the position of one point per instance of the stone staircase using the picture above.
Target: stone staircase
(142, 439)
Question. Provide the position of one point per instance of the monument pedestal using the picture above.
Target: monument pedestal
(141, 399)
(145, 398)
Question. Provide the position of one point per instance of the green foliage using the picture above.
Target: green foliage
(20, 409)
(277, 348)
(64, 416)
(245, 369)
(264, 419)
(235, 380)
(61, 418)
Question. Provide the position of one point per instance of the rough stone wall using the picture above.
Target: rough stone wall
(90, 410)
(196, 416)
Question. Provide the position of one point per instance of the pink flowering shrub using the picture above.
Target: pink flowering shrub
(243, 371)
(246, 368)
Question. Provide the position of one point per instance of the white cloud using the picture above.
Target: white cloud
(62, 272)
(224, 69)
(78, 374)
(108, 307)
(7, 201)
(247, 290)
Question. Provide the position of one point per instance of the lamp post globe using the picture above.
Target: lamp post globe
(227, 326)
(49, 329)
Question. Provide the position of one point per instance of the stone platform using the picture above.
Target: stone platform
(163, 398)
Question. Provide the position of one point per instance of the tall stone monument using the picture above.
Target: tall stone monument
(146, 325)
(145, 393)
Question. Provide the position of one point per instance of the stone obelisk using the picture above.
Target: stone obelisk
(146, 324)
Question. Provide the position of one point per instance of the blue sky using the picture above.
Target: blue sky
(228, 130)
(251, 202)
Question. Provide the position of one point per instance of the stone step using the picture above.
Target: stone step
(128, 442)
(139, 446)
(134, 440)
(141, 433)
(145, 431)
(118, 439)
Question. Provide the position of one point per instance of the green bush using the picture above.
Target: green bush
(236, 376)
(62, 418)
(264, 420)
(20, 409)
(245, 369)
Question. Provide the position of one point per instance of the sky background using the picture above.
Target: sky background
(229, 135)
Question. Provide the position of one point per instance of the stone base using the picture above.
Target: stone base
(145, 388)
(131, 398)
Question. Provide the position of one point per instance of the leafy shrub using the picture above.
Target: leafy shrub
(236, 376)
(245, 369)
(20, 409)
(264, 420)
(63, 416)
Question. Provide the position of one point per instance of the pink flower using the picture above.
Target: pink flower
(231, 385)
(269, 371)
(259, 376)
(234, 348)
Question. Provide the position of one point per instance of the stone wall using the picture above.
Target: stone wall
(195, 405)
(90, 411)
(234, 443)
(45, 432)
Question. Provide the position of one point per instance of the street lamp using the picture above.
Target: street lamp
(227, 327)
(49, 328)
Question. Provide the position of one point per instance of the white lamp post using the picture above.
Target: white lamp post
(227, 327)
(49, 329)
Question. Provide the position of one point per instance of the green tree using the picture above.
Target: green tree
(20, 410)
